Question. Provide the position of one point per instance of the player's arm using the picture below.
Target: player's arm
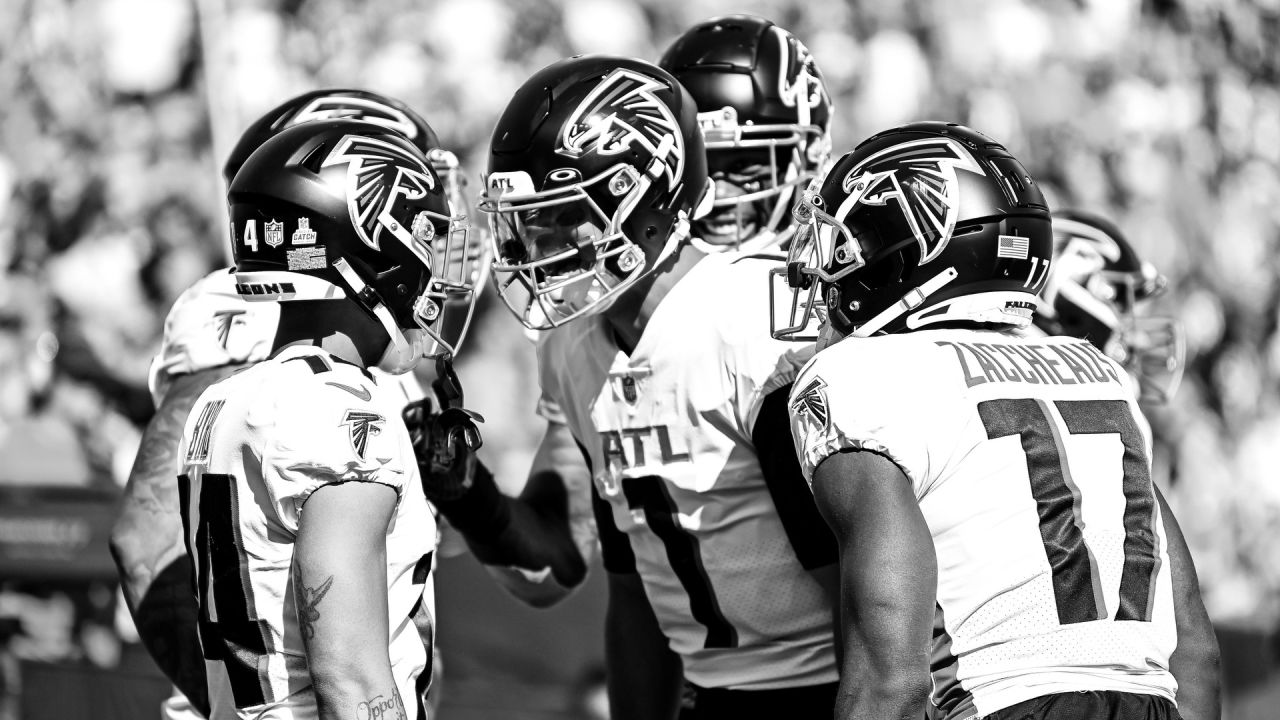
(888, 583)
(648, 686)
(148, 547)
(536, 545)
(810, 538)
(340, 588)
(1194, 663)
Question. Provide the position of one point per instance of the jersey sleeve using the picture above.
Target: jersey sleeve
(834, 408)
(759, 365)
(210, 326)
(330, 428)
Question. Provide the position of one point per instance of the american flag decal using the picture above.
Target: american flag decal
(1013, 246)
(362, 424)
(812, 400)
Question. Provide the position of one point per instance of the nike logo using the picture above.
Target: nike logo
(362, 393)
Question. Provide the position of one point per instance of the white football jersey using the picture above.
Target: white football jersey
(667, 431)
(210, 325)
(255, 447)
(1031, 464)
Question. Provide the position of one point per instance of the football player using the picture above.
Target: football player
(1096, 284)
(1006, 477)
(764, 114)
(302, 506)
(665, 405)
(210, 332)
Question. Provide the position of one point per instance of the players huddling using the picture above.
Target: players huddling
(856, 439)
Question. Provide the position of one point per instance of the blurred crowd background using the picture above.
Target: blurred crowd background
(115, 114)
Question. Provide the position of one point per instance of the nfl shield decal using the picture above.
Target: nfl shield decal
(275, 233)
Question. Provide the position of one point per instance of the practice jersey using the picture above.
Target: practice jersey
(255, 447)
(1030, 461)
(667, 433)
(211, 325)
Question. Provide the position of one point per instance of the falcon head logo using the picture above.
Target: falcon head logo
(812, 401)
(223, 320)
(340, 107)
(361, 424)
(379, 175)
(620, 112)
(799, 84)
(920, 176)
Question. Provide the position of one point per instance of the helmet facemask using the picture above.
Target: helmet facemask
(822, 252)
(1151, 348)
(559, 255)
(450, 265)
(757, 170)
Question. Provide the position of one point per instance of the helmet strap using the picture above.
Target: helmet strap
(400, 354)
(907, 303)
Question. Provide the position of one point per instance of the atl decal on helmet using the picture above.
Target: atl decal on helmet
(596, 120)
(379, 174)
(928, 194)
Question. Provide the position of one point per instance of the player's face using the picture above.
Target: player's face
(739, 176)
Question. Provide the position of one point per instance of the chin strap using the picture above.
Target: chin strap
(400, 355)
(909, 302)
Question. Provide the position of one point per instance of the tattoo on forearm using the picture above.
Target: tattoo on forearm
(308, 607)
(382, 708)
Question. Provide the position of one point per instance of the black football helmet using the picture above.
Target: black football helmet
(924, 224)
(596, 168)
(1096, 284)
(392, 114)
(338, 209)
(765, 116)
(348, 104)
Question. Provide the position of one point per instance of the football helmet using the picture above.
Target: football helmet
(764, 115)
(923, 224)
(596, 168)
(345, 103)
(338, 209)
(1096, 283)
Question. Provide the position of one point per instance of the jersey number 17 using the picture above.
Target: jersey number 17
(1076, 584)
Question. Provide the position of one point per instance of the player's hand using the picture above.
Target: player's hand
(444, 442)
